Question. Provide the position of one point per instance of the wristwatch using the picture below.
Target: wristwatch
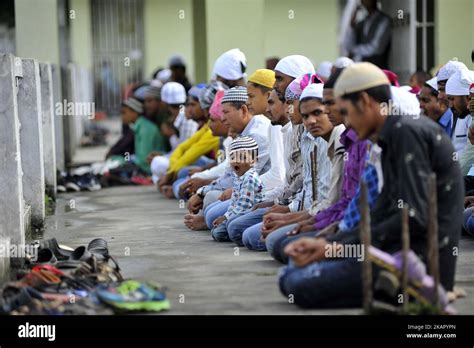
(200, 192)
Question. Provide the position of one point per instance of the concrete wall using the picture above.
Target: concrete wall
(260, 28)
(236, 25)
(168, 30)
(454, 31)
(266, 28)
(36, 24)
(312, 32)
(81, 33)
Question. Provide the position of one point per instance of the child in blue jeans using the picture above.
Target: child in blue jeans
(247, 187)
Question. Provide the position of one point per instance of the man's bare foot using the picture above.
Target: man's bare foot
(195, 222)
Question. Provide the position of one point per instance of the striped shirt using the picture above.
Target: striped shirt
(323, 165)
(292, 152)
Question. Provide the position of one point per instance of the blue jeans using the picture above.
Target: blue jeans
(241, 223)
(220, 233)
(468, 221)
(214, 210)
(325, 284)
(279, 244)
(276, 235)
(251, 238)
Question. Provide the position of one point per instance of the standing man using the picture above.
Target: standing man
(369, 39)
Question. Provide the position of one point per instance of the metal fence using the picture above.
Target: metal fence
(117, 33)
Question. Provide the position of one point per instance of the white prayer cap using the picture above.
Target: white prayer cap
(231, 65)
(314, 90)
(406, 101)
(164, 75)
(324, 69)
(433, 83)
(459, 82)
(343, 62)
(449, 69)
(156, 83)
(173, 93)
(295, 65)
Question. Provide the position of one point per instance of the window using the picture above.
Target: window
(425, 49)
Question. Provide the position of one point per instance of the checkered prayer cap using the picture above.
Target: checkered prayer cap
(207, 95)
(235, 94)
(241, 145)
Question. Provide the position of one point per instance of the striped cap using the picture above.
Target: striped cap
(242, 145)
(134, 104)
(209, 93)
(196, 90)
(154, 92)
(235, 94)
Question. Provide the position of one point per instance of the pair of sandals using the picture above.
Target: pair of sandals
(50, 252)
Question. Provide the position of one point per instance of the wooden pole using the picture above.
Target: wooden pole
(301, 205)
(365, 237)
(314, 172)
(433, 246)
(405, 250)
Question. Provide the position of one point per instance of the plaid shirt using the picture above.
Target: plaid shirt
(352, 214)
(247, 192)
(356, 151)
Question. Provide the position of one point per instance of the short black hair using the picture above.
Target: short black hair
(236, 104)
(263, 89)
(381, 94)
(281, 97)
(330, 83)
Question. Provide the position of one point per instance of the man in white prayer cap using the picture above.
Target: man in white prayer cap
(451, 122)
(445, 73)
(230, 68)
(324, 70)
(288, 69)
(457, 91)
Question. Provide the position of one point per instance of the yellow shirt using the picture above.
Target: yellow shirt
(188, 152)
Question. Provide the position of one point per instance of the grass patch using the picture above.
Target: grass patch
(50, 204)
